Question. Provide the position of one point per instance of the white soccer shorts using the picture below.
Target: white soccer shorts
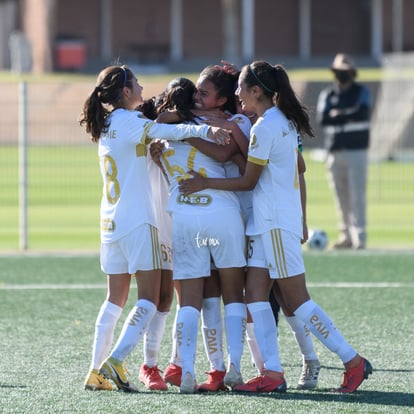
(277, 250)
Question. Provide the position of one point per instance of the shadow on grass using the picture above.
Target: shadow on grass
(397, 399)
(375, 369)
(12, 386)
(391, 399)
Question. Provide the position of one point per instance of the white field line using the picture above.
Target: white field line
(352, 285)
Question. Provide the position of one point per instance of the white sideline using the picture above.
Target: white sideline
(353, 285)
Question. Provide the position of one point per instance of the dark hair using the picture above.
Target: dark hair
(110, 84)
(148, 108)
(178, 95)
(274, 81)
(225, 84)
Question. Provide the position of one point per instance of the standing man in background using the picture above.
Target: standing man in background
(343, 111)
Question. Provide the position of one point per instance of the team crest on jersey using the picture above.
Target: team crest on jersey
(194, 199)
(291, 127)
(237, 120)
(253, 142)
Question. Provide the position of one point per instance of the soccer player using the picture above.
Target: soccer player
(205, 226)
(277, 229)
(129, 237)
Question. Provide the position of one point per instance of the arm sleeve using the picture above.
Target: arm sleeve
(174, 132)
(260, 146)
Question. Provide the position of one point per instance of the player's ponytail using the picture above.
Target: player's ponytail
(108, 91)
(287, 101)
(275, 84)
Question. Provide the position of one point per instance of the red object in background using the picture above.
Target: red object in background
(70, 54)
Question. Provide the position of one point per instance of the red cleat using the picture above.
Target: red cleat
(215, 382)
(263, 383)
(172, 375)
(353, 377)
(151, 377)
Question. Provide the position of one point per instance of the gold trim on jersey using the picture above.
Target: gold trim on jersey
(141, 150)
(257, 161)
(156, 251)
(147, 127)
(279, 253)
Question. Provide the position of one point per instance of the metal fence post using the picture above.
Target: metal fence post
(22, 119)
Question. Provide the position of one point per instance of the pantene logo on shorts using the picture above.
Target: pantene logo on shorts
(194, 199)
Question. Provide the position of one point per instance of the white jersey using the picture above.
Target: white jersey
(127, 199)
(232, 169)
(178, 159)
(160, 195)
(276, 196)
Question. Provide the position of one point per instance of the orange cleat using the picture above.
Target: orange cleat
(262, 383)
(151, 378)
(353, 377)
(172, 375)
(215, 382)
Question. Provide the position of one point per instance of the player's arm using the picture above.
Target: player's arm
(244, 183)
(236, 133)
(170, 116)
(303, 195)
(220, 153)
(240, 161)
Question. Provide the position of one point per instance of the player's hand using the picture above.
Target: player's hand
(305, 234)
(219, 135)
(230, 67)
(156, 149)
(192, 185)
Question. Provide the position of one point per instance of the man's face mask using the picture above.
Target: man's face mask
(343, 76)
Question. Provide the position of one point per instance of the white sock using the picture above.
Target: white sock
(303, 337)
(235, 316)
(187, 332)
(153, 337)
(319, 323)
(134, 328)
(175, 355)
(265, 330)
(106, 321)
(212, 329)
(254, 347)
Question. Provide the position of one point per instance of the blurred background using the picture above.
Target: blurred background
(51, 51)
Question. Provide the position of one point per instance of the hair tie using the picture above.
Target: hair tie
(259, 81)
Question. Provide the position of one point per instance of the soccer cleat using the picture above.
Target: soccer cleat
(262, 383)
(172, 375)
(117, 373)
(151, 377)
(309, 376)
(353, 377)
(188, 384)
(232, 377)
(96, 382)
(214, 382)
